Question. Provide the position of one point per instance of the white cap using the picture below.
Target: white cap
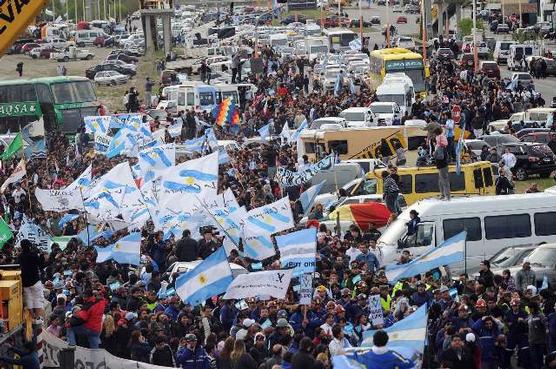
(248, 322)
(532, 288)
(470, 337)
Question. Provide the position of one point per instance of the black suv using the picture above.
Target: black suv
(91, 72)
(123, 57)
(532, 158)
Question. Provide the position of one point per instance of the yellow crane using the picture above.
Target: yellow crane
(15, 16)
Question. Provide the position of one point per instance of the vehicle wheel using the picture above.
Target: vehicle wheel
(545, 175)
(80, 44)
(521, 174)
(66, 59)
(89, 57)
(113, 83)
(33, 56)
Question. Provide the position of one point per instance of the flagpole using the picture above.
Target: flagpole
(86, 217)
(217, 222)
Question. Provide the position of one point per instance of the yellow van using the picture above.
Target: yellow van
(349, 143)
(418, 183)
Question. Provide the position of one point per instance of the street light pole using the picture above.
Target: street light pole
(475, 49)
(424, 31)
(360, 23)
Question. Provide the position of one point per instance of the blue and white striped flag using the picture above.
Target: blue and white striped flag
(127, 250)
(409, 332)
(298, 251)
(66, 219)
(97, 124)
(264, 131)
(337, 85)
(132, 120)
(156, 159)
(271, 218)
(449, 252)
(83, 181)
(295, 135)
(308, 196)
(210, 278)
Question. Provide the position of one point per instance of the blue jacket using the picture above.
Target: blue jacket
(420, 299)
(197, 359)
(370, 259)
(296, 321)
(389, 360)
(487, 338)
(552, 326)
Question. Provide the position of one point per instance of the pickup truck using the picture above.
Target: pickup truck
(72, 54)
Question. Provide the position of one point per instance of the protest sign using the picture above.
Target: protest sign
(306, 289)
(376, 316)
(271, 283)
(35, 234)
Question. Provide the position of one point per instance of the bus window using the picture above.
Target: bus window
(471, 225)
(406, 183)
(487, 173)
(369, 187)
(478, 177)
(190, 99)
(181, 98)
(340, 147)
(18, 93)
(206, 98)
(77, 91)
(426, 183)
(310, 147)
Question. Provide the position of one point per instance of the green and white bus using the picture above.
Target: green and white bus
(62, 102)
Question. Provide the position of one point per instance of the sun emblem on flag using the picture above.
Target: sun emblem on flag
(202, 279)
(267, 219)
(117, 246)
(189, 180)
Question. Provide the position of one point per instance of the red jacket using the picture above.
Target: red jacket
(93, 315)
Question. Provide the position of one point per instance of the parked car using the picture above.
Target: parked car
(91, 72)
(110, 77)
(42, 52)
(397, 9)
(401, 19)
(502, 28)
(72, 53)
(26, 49)
(526, 131)
(104, 41)
(543, 263)
(292, 18)
(128, 59)
(510, 256)
(121, 64)
(18, 44)
(524, 78)
(532, 158)
(499, 140)
(445, 53)
(490, 69)
(548, 138)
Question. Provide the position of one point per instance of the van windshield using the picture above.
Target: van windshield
(354, 117)
(505, 46)
(206, 98)
(382, 109)
(399, 99)
(395, 230)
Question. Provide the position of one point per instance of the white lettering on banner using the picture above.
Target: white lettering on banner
(272, 283)
(59, 200)
(102, 142)
(375, 310)
(306, 289)
(288, 178)
(87, 358)
(35, 234)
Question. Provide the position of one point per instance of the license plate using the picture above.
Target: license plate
(547, 159)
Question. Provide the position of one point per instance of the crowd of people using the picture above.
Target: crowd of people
(121, 309)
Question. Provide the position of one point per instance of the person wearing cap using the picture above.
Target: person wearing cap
(208, 244)
(487, 330)
(486, 277)
(191, 355)
(380, 357)
(277, 336)
(525, 277)
(258, 350)
(516, 320)
(463, 319)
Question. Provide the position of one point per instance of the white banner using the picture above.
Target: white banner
(87, 358)
(35, 234)
(288, 178)
(272, 283)
(59, 200)
(376, 317)
(101, 143)
(306, 289)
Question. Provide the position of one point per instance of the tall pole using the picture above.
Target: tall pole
(120, 11)
(360, 23)
(98, 10)
(53, 10)
(475, 48)
(339, 7)
(424, 31)
(84, 11)
(387, 23)
(520, 22)
(503, 12)
(322, 16)
(67, 10)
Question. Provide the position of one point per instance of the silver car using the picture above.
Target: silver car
(110, 78)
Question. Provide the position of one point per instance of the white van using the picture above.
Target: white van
(491, 222)
(502, 50)
(358, 117)
(386, 112)
(87, 36)
(227, 91)
(196, 96)
(525, 50)
(398, 92)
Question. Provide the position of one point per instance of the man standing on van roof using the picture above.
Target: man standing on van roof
(525, 277)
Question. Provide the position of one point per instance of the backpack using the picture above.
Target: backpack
(439, 153)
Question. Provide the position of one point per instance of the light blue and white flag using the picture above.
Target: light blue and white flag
(97, 124)
(223, 156)
(102, 143)
(155, 159)
(295, 135)
(132, 120)
(409, 332)
(298, 251)
(449, 252)
(127, 250)
(198, 144)
(308, 196)
(33, 129)
(36, 149)
(196, 178)
(66, 219)
(230, 222)
(83, 181)
(544, 285)
(175, 129)
(286, 134)
(351, 86)
(288, 178)
(337, 85)
(209, 278)
(264, 131)
(355, 44)
(271, 218)
(257, 246)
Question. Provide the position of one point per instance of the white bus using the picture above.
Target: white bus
(491, 222)
(339, 39)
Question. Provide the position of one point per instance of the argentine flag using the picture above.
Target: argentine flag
(66, 219)
(83, 181)
(298, 250)
(97, 124)
(210, 278)
(409, 332)
(451, 251)
(337, 85)
(127, 250)
(308, 196)
(295, 135)
(156, 158)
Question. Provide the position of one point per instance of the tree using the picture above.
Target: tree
(466, 26)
